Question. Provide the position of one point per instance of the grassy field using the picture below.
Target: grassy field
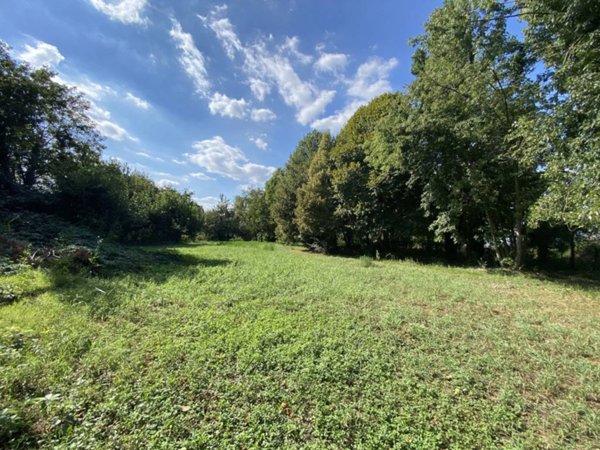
(250, 345)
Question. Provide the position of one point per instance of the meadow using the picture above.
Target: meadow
(256, 345)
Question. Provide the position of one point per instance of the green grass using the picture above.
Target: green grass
(250, 345)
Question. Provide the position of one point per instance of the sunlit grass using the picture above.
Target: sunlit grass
(252, 345)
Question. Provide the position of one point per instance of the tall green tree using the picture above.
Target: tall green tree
(220, 221)
(565, 35)
(315, 208)
(471, 93)
(377, 209)
(44, 127)
(252, 216)
(283, 186)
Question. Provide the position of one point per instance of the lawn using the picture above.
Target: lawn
(253, 345)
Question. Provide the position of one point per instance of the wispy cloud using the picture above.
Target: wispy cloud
(113, 131)
(201, 176)
(137, 101)
(266, 68)
(165, 182)
(208, 202)
(190, 58)
(260, 143)
(148, 156)
(124, 11)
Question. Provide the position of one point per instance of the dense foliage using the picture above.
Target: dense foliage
(488, 152)
(50, 160)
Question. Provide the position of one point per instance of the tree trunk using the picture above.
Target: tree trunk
(449, 247)
(5, 172)
(520, 238)
(34, 162)
(572, 246)
(498, 246)
(521, 245)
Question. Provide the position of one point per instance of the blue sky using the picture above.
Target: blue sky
(213, 96)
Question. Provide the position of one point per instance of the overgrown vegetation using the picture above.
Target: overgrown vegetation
(256, 345)
(50, 162)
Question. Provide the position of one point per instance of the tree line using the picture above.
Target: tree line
(492, 152)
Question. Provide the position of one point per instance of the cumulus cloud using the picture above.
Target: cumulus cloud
(124, 11)
(225, 106)
(216, 156)
(371, 78)
(42, 54)
(138, 102)
(262, 115)
(190, 58)
(331, 63)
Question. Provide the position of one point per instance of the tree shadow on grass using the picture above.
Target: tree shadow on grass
(585, 281)
(112, 264)
(101, 289)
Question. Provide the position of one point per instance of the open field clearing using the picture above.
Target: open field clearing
(252, 345)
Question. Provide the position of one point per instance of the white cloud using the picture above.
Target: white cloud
(191, 59)
(291, 47)
(216, 156)
(179, 162)
(260, 143)
(371, 78)
(140, 103)
(225, 33)
(201, 176)
(331, 63)
(43, 54)
(266, 68)
(165, 182)
(228, 107)
(207, 202)
(147, 156)
(314, 109)
(370, 81)
(259, 88)
(336, 122)
(113, 131)
(98, 112)
(262, 115)
(125, 11)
